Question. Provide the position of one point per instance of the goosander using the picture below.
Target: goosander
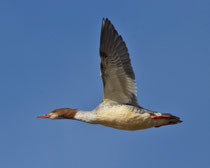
(119, 108)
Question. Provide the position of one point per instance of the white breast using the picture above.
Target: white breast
(123, 117)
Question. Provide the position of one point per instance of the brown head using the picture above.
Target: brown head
(62, 113)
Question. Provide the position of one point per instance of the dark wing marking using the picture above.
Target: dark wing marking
(116, 71)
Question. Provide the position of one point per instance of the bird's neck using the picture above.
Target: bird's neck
(86, 116)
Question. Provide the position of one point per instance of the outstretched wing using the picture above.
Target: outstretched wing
(116, 71)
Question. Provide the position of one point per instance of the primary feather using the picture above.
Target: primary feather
(116, 70)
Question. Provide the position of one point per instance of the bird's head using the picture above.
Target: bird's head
(62, 113)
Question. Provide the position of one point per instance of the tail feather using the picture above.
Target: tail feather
(174, 119)
(171, 119)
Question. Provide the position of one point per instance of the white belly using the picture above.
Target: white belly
(122, 117)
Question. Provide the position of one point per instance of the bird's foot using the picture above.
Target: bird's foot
(164, 116)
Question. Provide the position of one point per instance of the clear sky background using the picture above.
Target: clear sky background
(49, 58)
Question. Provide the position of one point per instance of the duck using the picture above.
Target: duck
(119, 108)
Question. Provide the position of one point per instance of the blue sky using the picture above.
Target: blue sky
(49, 58)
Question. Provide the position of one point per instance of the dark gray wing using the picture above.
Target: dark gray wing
(116, 71)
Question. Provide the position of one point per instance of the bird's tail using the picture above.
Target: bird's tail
(168, 119)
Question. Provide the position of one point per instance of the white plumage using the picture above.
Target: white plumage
(119, 108)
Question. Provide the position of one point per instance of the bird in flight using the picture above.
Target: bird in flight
(119, 108)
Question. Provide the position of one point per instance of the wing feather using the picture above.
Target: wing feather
(116, 70)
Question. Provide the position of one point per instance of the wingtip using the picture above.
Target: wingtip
(105, 20)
